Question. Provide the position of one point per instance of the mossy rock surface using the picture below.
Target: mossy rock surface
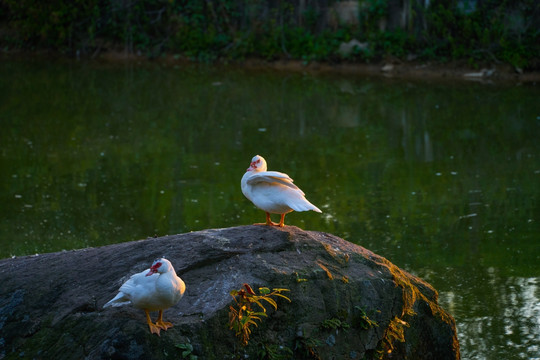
(346, 301)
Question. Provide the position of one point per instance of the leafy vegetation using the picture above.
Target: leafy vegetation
(307, 347)
(242, 315)
(274, 352)
(334, 324)
(298, 278)
(187, 351)
(206, 31)
(362, 320)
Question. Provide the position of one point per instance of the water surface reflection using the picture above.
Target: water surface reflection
(500, 319)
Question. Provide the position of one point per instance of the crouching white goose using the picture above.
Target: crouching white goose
(273, 192)
(154, 289)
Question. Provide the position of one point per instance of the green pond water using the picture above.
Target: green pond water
(443, 179)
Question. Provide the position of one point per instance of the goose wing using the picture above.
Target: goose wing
(273, 177)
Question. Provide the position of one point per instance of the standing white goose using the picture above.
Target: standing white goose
(154, 289)
(273, 192)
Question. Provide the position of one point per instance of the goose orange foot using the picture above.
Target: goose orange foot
(154, 329)
(282, 221)
(163, 325)
(269, 222)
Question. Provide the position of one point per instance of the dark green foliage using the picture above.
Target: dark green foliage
(274, 352)
(496, 31)
(333, 324)
(187, 351)
(307, 348)
(362, 320)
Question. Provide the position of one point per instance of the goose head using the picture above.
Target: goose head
(160, 266)
(257, 164)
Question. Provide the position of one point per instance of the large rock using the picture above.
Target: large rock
(51, 304)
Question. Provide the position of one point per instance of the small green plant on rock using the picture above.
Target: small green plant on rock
(187, 351)
(362, 319)
(307, 347)
(242, 315)
(274, 352)
(299, 279)
(334, 324)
